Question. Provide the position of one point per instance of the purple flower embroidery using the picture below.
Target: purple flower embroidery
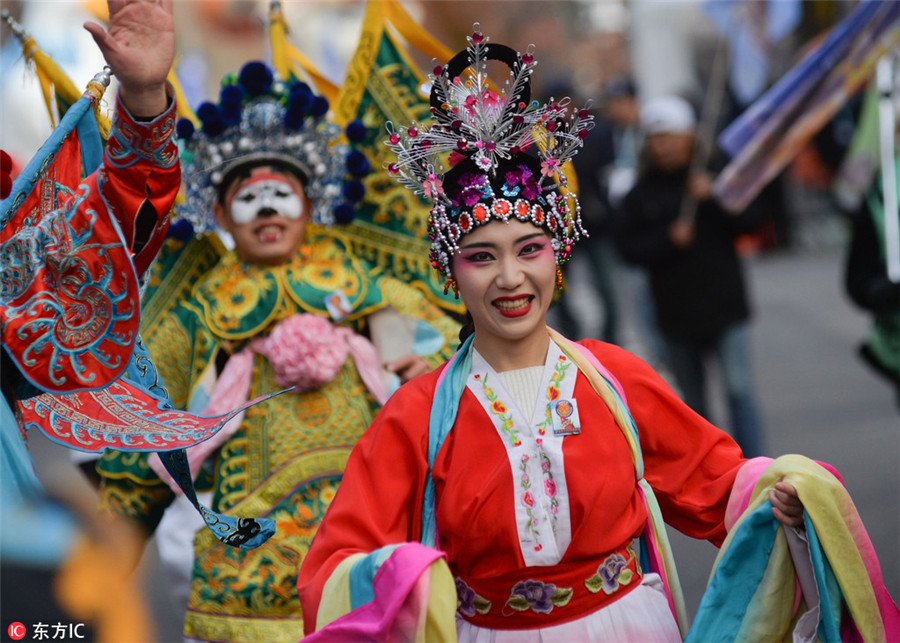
(538, 595)
(471, 189)
(612, 574)
(610, 571)
(513, 178)
(524, 177)
(468, 602)
(466, 597)
(471, 179)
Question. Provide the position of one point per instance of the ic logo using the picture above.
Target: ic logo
(16, 631)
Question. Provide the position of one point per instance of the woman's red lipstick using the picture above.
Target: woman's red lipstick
(513, 306)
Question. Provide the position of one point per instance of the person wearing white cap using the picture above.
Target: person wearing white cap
(667, 115)
(695, 274)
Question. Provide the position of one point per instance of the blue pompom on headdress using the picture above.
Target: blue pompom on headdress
(260, 118)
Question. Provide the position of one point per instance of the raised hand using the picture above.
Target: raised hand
(139, 47)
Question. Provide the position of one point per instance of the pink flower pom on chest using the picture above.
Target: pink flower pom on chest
(306, 351)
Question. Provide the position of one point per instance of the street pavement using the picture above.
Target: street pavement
(817, 398)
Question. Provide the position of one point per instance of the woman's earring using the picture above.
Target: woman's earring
(560, 280)
(450, 284)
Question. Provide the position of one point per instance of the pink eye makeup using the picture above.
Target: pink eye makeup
(535, 248)
(474, 256)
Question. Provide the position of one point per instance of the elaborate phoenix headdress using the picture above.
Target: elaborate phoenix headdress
(505, 152)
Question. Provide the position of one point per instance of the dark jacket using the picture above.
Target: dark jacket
(698, 291)
(865, 278)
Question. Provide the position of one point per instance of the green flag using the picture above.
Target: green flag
(383, 84)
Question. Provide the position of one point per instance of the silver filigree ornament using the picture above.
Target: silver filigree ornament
(511, 148)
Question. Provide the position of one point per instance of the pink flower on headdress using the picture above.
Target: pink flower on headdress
(550, 166)
(433, 187)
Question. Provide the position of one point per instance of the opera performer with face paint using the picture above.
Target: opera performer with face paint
(518, 493)
(289, 306)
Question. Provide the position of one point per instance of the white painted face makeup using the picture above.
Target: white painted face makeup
(265, 190)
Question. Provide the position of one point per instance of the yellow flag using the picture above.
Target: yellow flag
(289, 61)
(57, 88)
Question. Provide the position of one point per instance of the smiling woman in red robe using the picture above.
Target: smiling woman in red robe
(533, 464)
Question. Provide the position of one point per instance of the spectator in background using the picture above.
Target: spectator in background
(621, 111)
(695, 273)
(592, 168)
(869, 286)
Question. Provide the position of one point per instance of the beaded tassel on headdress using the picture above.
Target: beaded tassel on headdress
(261, 118)
(505, 151)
